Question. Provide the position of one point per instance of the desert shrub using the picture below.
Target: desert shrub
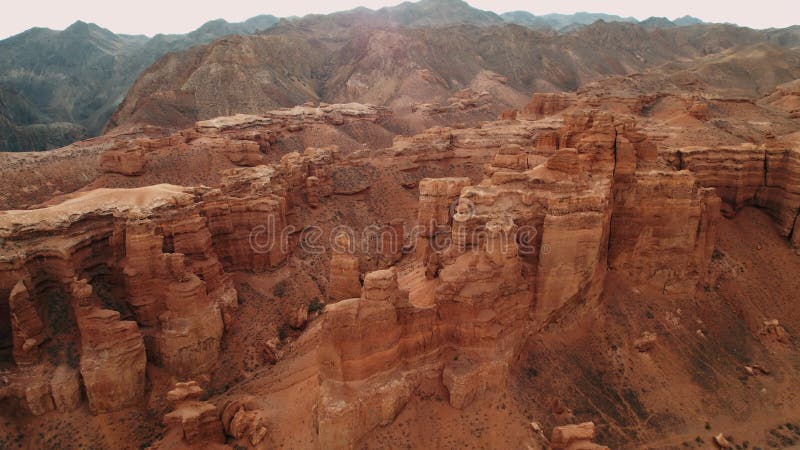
(281, 289)
(283, 331)
(316, 306)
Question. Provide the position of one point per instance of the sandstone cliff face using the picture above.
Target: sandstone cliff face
(165, 252)
(543, 105)
(26, 326)
(437, 199)
(663, 229)
(562, 213)
(247, 219)
(521, 249)
(763, 175)
(780, 193)
(112, 353)
(518, 246)
(184, 323)
(159, 245)
(482, 300)
(344, 282)
(363, 383)
(736, 173)
(242, 140)
(82, 244)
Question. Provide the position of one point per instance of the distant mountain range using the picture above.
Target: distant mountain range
(60, 86)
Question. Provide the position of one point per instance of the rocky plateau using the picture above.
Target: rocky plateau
(470, 259)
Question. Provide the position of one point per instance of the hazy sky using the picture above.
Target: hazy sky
(168, 16)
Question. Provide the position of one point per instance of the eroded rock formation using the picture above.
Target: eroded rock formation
(243, 140)
(244, 421)
(247, 219)
(745, 175)
(780, 193)
(547, 104)
(158, 246)
(521, 243)
(125, 161)
(112, 353)
(195, 422)
(345, 274)
(26, 326)
(436, 207)
(518, 250)
(576, 437)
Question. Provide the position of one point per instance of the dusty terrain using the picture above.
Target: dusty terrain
(614, 266)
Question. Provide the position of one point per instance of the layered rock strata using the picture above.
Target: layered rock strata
(766, 176)
(242, 139)
(521, 249)
(195, 422)
(345, 273)
(112, 353)
(575, 437)
(160, 257)
(501, 253)
(547, 104)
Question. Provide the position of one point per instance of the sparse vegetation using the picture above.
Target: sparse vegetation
(281, 289)
(316, 306)
(283, 331)
(617, 185)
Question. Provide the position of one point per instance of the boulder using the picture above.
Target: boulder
(196, 422)
(242, 420)
(243, 153)
(37, 396)
(129, 161)
(65, 388)
(772, 330)
(645, 342)
(722, 442)
(575, 437)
